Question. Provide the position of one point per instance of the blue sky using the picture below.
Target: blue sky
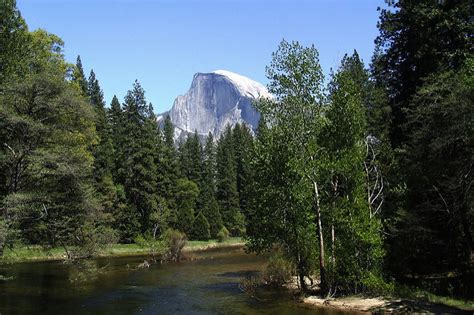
(163, 43)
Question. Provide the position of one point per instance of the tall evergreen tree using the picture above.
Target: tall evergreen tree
(227, 194)
(116, 122)
(138, 166)
(439, 222)
(104, 149)
(409, 55)
(169, 170)
(207, 194)
(243, 148)
(190, 157)
(186, 195)
(79, 77)
(408, 66)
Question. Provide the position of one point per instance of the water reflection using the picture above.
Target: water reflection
(207, 285)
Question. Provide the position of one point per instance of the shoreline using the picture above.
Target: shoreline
(381, 305)
(418, 302)
(36, 254)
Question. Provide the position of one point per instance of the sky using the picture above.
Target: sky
(163, 43)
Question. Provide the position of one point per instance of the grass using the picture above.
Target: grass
(38, 253)
(407, 292)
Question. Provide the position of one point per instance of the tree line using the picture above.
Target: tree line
(76, 173)
(363, 178)
(368, 180)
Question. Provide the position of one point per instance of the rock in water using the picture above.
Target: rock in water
(215, 100)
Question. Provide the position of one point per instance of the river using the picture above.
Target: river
(207, 285)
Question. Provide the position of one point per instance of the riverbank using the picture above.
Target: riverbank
(382, 305)
(37, 253)
(422, 302)
(403, 300)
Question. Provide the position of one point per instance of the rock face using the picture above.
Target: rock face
(214, 101)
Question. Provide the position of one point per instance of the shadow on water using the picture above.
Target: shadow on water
(208, 285)
(240, 274)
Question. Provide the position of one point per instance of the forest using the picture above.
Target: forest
(363, 178)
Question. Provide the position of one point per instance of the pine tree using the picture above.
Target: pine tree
(207, 194)
(227, 194)
(405, 67)
(79, 78)
(192, 159)
(116, 122)
(104, 149)
(201, 228)
(186, 195)
(169, 170)
(138, 166)
(408, 56)
(436, 234)
(243, 148)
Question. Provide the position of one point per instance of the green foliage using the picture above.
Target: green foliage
(185, 196)
(174, 242)
(139, 168)
(169, 170)
(243, 147)
(375, 284)
(79, 78)
(201, 228)
(279, 270)
(356, 243)
(223, 234)
(191, 159)
(439, 159)
(386, 150)
(288, 160)
(408, 56)
(207, 195)
(14, 43)
(45, 157)
(427, 82)
(227, 193)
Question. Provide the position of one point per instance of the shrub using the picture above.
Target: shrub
(174, 242)
(278, 271)
(93, 239)
(222, 235)
(140, 241)
(375, 285)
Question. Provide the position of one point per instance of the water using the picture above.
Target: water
(207, 285)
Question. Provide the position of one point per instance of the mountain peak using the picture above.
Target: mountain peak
(215, 100)
(247, 87)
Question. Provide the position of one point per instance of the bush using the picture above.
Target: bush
(375, 285)
(93, 240)
(140, 241)
(174, 242)
(222, 235)
(278, 271)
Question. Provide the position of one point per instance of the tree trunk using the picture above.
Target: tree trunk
(302, 283)
(322, 267)
(467, 231)
(333, 242)
(333, 233)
